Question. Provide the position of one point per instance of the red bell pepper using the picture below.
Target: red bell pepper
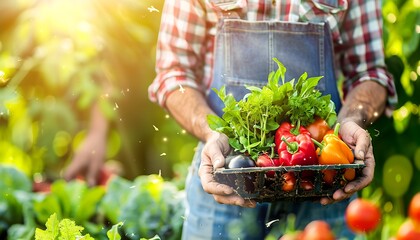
(287, 130)
(298, 150)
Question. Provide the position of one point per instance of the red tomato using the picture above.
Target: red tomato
(408, 231)
(318, 129)
(328, 176)
(306, 185)
(349, 174)
(317, 230)
(292, 236)
(289, 181)
(362, 215)
(41, 187)
(414, 208)
(264, 160)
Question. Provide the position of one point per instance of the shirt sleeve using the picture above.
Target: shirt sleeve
(361, 54)
(179, 49)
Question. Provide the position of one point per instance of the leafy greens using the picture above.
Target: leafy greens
(250, 123)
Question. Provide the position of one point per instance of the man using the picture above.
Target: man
(206, 44)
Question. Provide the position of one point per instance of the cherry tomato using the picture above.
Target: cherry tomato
(317, 230)
(306, 185)
(408, 231)
(292, 236)
(349, 174)
(41, 187)
(328, 176)
(362, 215)
(264, 160)
(289, 181)
(318, 129)
(414, 208)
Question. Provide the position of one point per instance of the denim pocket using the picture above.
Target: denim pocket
(249, 49)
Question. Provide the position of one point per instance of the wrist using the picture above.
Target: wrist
(358, 120)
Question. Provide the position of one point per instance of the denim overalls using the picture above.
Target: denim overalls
(243, 56)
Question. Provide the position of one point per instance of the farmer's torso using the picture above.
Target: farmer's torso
(298, 34)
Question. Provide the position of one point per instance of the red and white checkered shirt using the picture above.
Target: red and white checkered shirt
(186, 39)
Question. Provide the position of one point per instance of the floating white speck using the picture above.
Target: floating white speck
(181, 89)
(156, 129)
(152, 9)
(271, 222)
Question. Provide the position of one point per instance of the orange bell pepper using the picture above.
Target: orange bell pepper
(333, 150)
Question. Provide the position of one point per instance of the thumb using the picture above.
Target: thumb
(219, 161)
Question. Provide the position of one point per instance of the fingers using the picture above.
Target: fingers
(357, 137)
(363, 142)
(366, 177)
(357, 184)
(209, 184)
(213, 157)
(93, 170)
(221, 192)
(77, 165)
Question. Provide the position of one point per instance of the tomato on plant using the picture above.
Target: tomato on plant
(414, 208)
(362, 215)
(408, 231)
(317, 230)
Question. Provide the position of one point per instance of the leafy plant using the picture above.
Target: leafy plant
(148, 206)
(74, 200)
(250, 122)
(14, 188)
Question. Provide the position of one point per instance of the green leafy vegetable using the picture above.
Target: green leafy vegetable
(250, 123)
(113, 233)
(148, 206)
(65, 229)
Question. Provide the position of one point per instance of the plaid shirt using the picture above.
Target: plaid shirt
(186, 39)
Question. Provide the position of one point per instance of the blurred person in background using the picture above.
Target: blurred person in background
(38, 83)
(195, 47)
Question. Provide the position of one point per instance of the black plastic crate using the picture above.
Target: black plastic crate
(254, 182)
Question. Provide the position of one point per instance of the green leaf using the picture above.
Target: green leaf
(117, 195)
(215, 122)
(113, 233)
(13, 179)
(69, 230)
(281, 71)
(52, 231)
(156, 237)
(86, 205)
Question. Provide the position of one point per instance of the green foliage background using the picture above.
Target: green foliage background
(57, 58)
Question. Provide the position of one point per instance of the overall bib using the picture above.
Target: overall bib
(243, 55)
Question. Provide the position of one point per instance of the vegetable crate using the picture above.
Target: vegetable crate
(269, 184)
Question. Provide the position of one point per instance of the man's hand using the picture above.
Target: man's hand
(360, 142)
(212, 157)
(88, 160)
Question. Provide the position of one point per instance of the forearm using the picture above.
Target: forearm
(364, 104)
(98, 124)
(190, 110)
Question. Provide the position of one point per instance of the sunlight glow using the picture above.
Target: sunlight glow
(413, 76)
(391, 18)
